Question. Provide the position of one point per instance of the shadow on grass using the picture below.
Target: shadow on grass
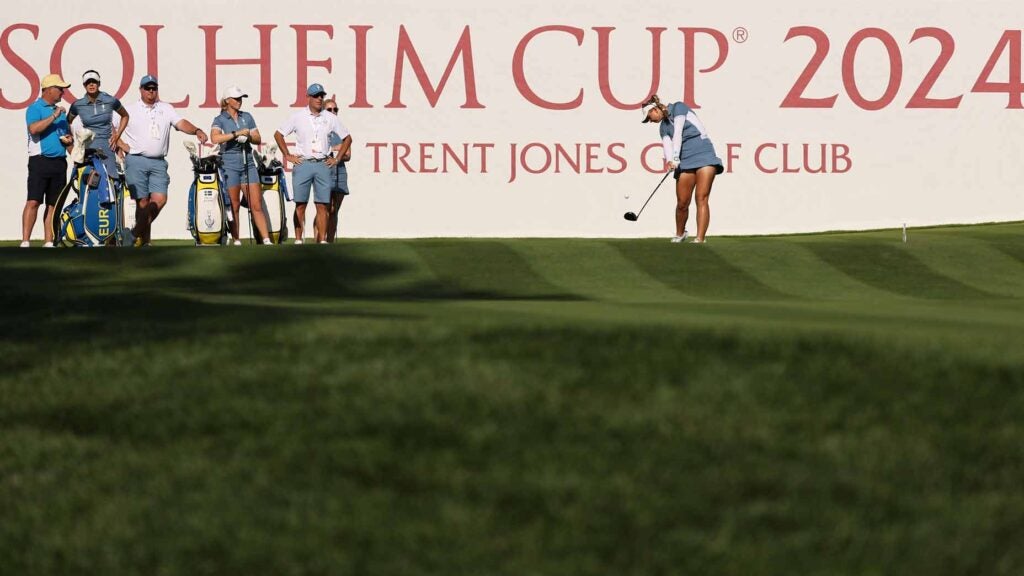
(893, 270)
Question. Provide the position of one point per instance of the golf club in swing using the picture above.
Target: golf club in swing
(634, 217)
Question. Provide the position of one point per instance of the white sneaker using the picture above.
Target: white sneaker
(267, 242)
(699, 241)
(298, 240)
(237, 242)
(47, 244)
(678, 239)
(323, 242)
(24, 244)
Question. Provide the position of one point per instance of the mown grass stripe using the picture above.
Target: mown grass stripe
(893, 269)
(696, 270)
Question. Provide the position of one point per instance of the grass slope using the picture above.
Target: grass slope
(822, 404)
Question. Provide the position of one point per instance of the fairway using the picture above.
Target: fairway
(814, 404)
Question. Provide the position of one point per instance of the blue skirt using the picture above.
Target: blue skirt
(698, 153)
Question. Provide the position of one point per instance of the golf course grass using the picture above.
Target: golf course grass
(798, 405)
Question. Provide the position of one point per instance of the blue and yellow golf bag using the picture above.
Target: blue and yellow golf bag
(208, 200)
(274, 189)
(95, 217)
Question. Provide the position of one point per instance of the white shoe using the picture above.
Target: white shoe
(678, 239)
(47, 244)
(237, 242)
(323, 242)
(699, 241)
(24, 244)
(298, 240)
(267, 242)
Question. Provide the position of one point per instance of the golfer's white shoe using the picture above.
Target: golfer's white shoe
(267, 242)
(47, 244)
(298, 240)
(24, 244)
(678, 239)
(237, 242)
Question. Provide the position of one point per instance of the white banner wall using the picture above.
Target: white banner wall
(907, 112)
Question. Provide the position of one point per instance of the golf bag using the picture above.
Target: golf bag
(95, 216)
(274, 189)
(208, 200)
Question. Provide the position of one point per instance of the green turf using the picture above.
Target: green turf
(816, 404)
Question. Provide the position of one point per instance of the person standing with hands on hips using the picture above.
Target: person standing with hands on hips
(48, 141)
(691, 155)
(311, 165)
(236, 132)
(146, 142)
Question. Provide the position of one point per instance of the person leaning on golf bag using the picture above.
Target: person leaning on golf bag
(691, 155)
(48, 140)
(96, 109)
(311, 165)
(236, 132)
(339, 177)
(145, 142)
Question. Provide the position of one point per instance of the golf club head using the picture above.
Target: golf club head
(191, 147)
(630, 216)
(271, 151)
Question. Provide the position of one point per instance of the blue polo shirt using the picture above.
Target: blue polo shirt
(97, 116)
(46, 142)
(227, 125)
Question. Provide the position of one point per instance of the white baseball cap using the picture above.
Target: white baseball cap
(647, 110)
(90, 75)
(233, 92)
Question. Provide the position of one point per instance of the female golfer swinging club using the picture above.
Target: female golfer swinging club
(690, 153)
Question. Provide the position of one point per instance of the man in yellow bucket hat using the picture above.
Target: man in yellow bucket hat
(48, 140)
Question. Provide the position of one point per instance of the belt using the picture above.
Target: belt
(314, 159)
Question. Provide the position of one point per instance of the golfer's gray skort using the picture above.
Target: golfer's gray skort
(234, 174)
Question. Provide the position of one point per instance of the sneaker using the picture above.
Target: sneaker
(267, 242)
(323, 242)
(678, 239)
(24, 244)
(298, 240)
(237, 242)
(699, 241)
(47, 244)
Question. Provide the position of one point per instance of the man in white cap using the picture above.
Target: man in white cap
(48, 140)
(311, 163)
(146, 141)
(96, 109)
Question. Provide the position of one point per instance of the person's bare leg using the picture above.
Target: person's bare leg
(705, 179)
(157, 201)
(254, 195)
(142, 219)
(28, 219)
(299, 220)
(320, 223)
(234, 193)
(48, 229)
(684, 193)
(332, 225)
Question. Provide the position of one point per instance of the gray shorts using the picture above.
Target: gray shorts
(146, 176)
(310, 174)
(233, 172)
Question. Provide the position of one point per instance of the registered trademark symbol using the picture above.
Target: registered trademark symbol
(740, 35)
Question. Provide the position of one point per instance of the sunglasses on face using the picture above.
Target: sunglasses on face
(150, 88)
(331, 109)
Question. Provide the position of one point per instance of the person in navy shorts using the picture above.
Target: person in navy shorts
(690, 153)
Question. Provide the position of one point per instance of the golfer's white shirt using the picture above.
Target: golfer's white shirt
(149, 128)
(312, 132)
